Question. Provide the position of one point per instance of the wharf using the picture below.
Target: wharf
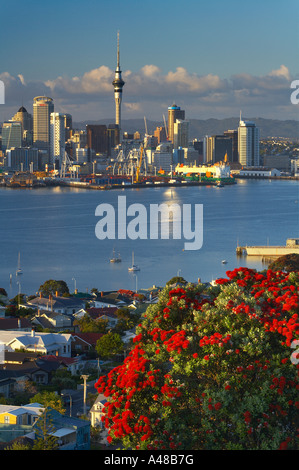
(292, 246)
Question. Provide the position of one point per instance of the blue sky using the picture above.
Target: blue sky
(237, 54)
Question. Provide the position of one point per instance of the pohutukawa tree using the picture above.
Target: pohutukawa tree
(211, 368)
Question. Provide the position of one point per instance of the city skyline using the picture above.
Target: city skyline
(205, 57)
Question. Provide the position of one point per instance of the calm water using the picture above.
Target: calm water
(54, 231)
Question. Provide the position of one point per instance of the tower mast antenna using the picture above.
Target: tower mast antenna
(118, 61)
(118, 84)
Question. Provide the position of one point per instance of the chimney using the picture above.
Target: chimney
(102, 294)
(57, 294)
(19, 323)
(32, 332)
(40, 295)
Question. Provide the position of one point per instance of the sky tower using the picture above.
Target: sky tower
(118, 84)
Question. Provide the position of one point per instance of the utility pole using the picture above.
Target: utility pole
(84, 377)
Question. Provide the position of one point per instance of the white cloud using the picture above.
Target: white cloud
(147, 92)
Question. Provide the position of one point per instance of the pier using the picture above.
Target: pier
(292, 246)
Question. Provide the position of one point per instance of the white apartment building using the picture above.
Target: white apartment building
(57, 137)
(248, 144)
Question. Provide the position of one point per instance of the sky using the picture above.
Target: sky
(212, 58)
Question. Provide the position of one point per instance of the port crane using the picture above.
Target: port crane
(139, 165)
(66, 165)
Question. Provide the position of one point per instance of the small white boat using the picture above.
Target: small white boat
(19, 270)
(224, 261)
(134, 267)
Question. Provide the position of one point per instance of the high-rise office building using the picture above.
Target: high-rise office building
(180, 134)
(97, 137)
(57, 138)
(160, 134)
(42, 108)
(248, 144)
(217, 147)
(11, 135)
(25, 118)
(174, 113)
(233, 133)
(68, 125)
(118, 84)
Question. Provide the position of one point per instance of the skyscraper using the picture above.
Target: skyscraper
(11, 135)
(118, 84)
(248, 144)
(42, 108)
(96, 135)
(25, 118)
(180, 134)
(57, 137)
(174, 113)
(217, 146)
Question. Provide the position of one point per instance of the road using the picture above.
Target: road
(74, 400)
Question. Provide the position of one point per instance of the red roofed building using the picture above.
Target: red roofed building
(83, 342)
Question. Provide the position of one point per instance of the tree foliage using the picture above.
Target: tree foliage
(211, 370)
(44, 429)
(51, 286)
(109, 345)
(49, 399)
(287, 263)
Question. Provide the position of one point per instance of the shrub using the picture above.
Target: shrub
(211, 372)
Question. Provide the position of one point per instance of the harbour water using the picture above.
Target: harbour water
(53, 229)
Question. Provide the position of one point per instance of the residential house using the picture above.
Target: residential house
(19, 368)
(97, 411)
(104, 313)
(84, 342)
(111, 299)
(73, 364)
(16, 421)
(44, 343)
(53, 320)
(13, 323)
(58, 304)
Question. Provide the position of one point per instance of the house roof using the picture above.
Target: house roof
(12, 323)
(59, 359)
(57, 302)
(98, 312)
(90, 338)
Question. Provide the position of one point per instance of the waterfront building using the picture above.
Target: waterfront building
(295, 167)
(23, 159)
(118, 84)
(82, 155)
(174, 113)
(57, 137)
(248, 144)
(11, 135)
(43, 106)
(162, 157)
(180, 133)
(259, 172)
(219, 170)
